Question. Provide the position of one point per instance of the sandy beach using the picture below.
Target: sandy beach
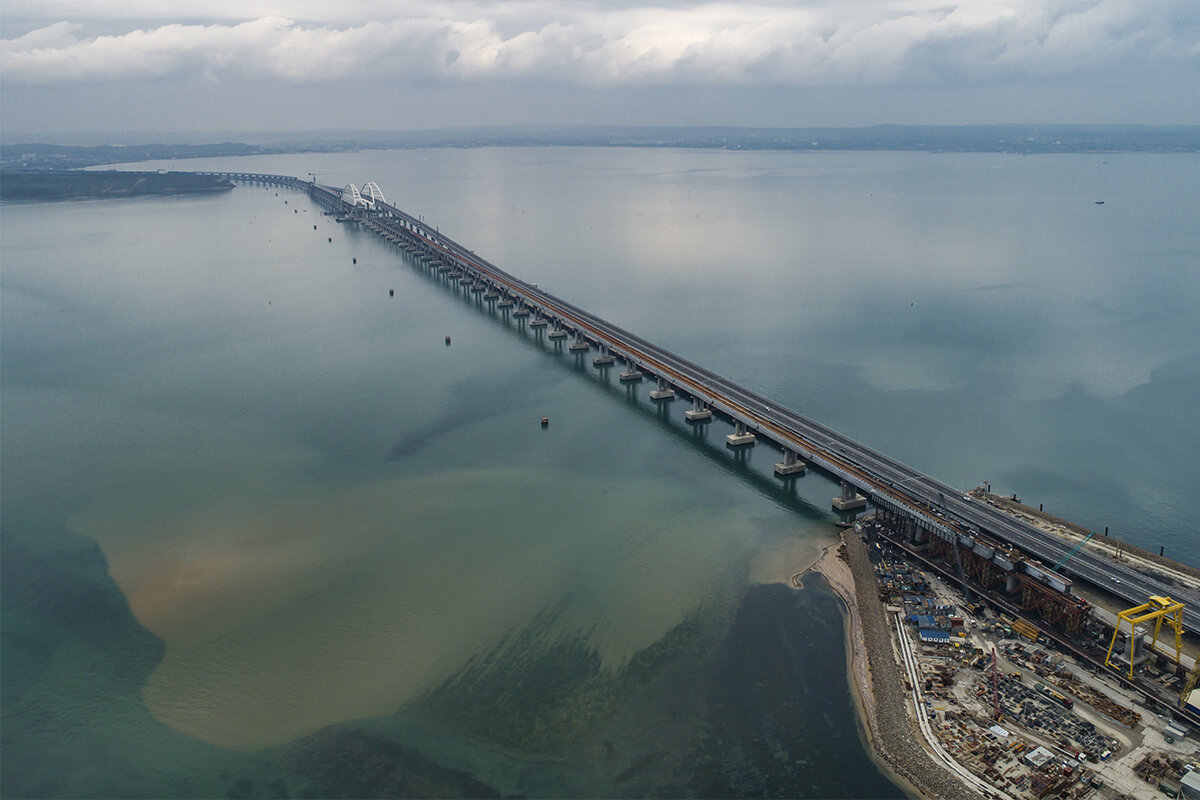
(893, 741)
(833, 568)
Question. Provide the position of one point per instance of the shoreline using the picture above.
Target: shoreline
(874, 679)
(33, 187)
(831, 566)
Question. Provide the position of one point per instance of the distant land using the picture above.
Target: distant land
(75, 184)
(84, 150)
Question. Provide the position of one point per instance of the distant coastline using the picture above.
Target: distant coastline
(75, 184)
(21, 153)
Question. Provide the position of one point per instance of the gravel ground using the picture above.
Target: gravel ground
(898, 740)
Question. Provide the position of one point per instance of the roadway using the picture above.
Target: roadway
(942, 507)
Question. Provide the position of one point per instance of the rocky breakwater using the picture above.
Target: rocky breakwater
(884, 696)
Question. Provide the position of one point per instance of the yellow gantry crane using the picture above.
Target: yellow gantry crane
(1158, 609)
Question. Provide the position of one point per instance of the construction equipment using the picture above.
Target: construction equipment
(1073, 551)
(962, 576)
(1023, 628)
(1158, 609)
(1190, 683)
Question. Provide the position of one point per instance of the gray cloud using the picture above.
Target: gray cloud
(872, 42)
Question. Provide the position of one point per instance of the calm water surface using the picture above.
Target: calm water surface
(265, 534)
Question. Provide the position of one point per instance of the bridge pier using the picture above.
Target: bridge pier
(604, 359)
(632, 374)
(663, 392)
(740, 436)
(538, 322)
(791, 464)
(850, 499)
(505, 303)
(699, 412)
(521, 312)
(557, 333)
(580, 344)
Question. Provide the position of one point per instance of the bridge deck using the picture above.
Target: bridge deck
(938, 507)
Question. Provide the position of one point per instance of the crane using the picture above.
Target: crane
(997, 714)
(1189, 684)
(1074, 550)
(1159, 609)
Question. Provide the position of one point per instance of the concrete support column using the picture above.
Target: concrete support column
(580, 345)
(699, 412)
(663, 392)
(558, 332)
(740, 436)
(521, 311)
(849, 499)
(632, 373)
(505, 303)
(791, 464)
(604, 359)
(539, 322)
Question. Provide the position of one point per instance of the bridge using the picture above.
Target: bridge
(924, 509)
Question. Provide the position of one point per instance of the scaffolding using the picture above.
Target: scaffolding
(1157, 609)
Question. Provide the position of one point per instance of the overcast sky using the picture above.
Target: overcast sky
(222, 65)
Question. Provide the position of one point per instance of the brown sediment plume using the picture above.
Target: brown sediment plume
(875, 678)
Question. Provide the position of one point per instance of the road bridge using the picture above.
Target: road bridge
(934, 509)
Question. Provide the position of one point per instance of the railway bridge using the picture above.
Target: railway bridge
(991, 546)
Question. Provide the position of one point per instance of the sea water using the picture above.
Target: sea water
(265, 533)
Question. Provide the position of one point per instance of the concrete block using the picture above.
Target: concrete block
(849, 504)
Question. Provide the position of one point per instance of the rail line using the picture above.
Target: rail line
(936, 507)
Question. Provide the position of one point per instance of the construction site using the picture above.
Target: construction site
(1030, 690)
